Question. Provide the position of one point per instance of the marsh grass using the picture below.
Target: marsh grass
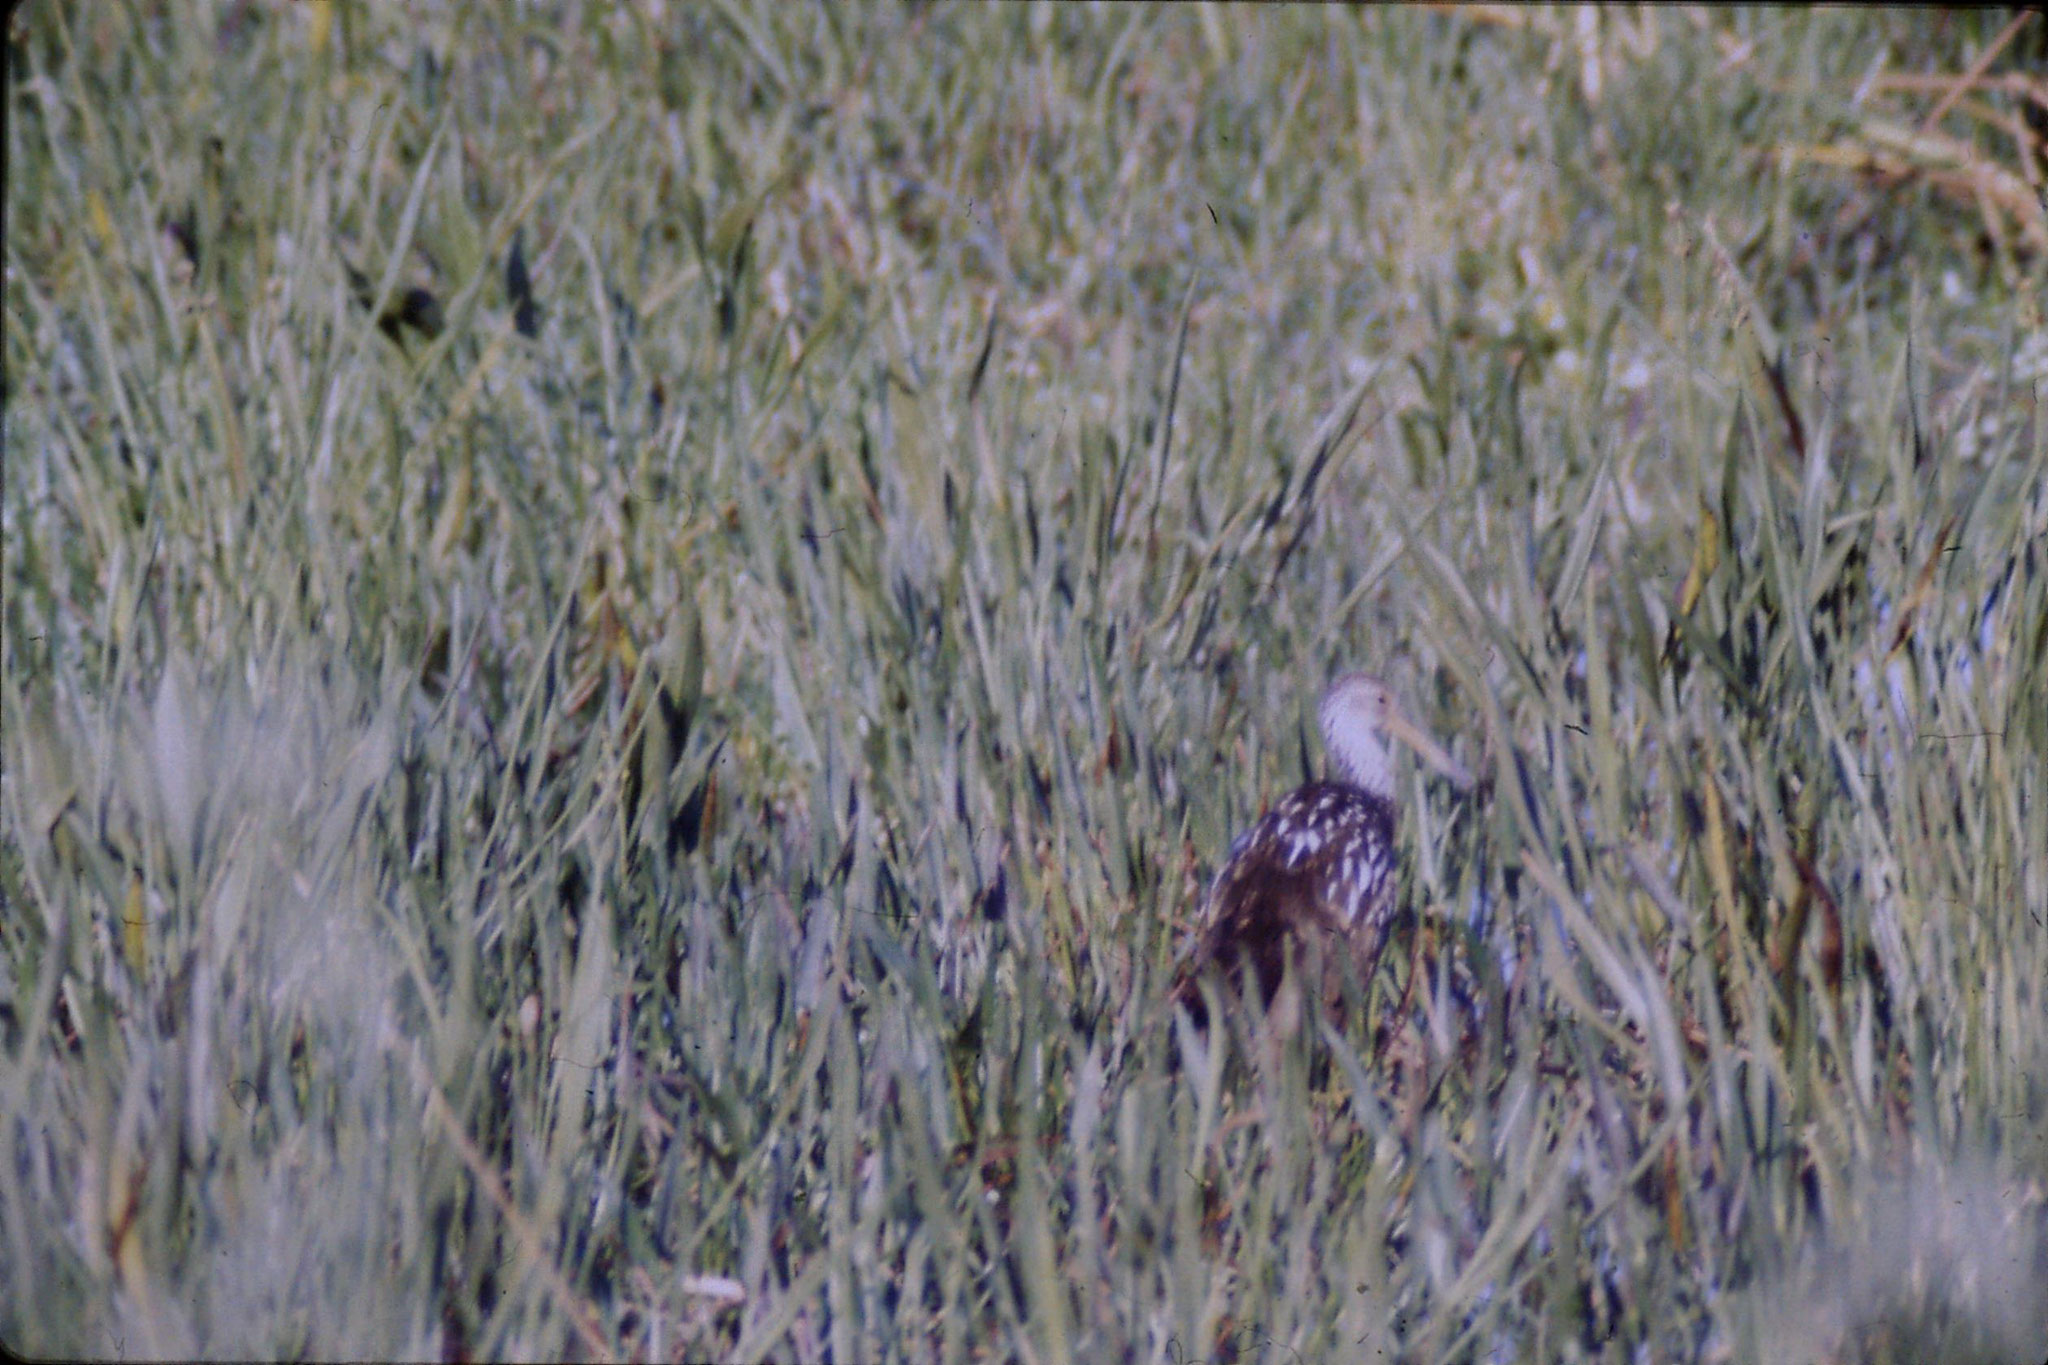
(658, 822)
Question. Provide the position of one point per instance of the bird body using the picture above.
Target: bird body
(1310, 886)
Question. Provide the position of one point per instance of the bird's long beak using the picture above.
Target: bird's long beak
(1428, 750)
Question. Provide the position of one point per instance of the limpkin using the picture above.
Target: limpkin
(1312, 882)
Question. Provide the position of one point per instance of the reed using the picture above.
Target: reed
(648, 804)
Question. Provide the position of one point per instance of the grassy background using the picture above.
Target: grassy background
(666, 836)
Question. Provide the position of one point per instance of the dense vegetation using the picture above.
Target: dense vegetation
(630, 633)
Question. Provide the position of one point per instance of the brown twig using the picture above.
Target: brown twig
(1977, 69)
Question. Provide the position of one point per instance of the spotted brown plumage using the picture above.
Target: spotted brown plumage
(1312, 882)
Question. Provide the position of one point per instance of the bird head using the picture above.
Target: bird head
(1359, 722)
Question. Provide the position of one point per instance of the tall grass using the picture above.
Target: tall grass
(656, 819)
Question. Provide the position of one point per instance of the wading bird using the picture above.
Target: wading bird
(1306, 898)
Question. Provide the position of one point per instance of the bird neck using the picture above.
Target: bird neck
(1361, 756)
